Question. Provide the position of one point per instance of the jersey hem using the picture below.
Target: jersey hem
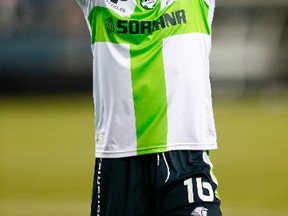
(107, 154)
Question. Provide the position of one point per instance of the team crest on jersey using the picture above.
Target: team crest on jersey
(148, 4)
(200, 211)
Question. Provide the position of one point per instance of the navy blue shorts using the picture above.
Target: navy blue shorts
(176, 183)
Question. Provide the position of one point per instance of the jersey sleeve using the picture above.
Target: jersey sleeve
(211, 3)
(84, 4)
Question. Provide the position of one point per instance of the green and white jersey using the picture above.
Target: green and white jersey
(151, 81)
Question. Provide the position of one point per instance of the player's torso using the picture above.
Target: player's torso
(151, 81)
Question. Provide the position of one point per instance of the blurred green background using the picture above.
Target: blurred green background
(47, 155)
(47, 119)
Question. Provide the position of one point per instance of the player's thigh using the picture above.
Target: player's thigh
(192, 188)
(119, 189)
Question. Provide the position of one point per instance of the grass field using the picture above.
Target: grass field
(47, 155)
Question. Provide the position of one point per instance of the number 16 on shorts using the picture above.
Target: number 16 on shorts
(201, 189)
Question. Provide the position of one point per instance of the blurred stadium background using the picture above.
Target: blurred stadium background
(46, 108)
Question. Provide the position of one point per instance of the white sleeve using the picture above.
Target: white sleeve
(83, 4)
(211, 3)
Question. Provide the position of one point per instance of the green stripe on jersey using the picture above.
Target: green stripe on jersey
(150, 100)
(144, 31)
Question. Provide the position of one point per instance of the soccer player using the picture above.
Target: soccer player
(154, 117)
